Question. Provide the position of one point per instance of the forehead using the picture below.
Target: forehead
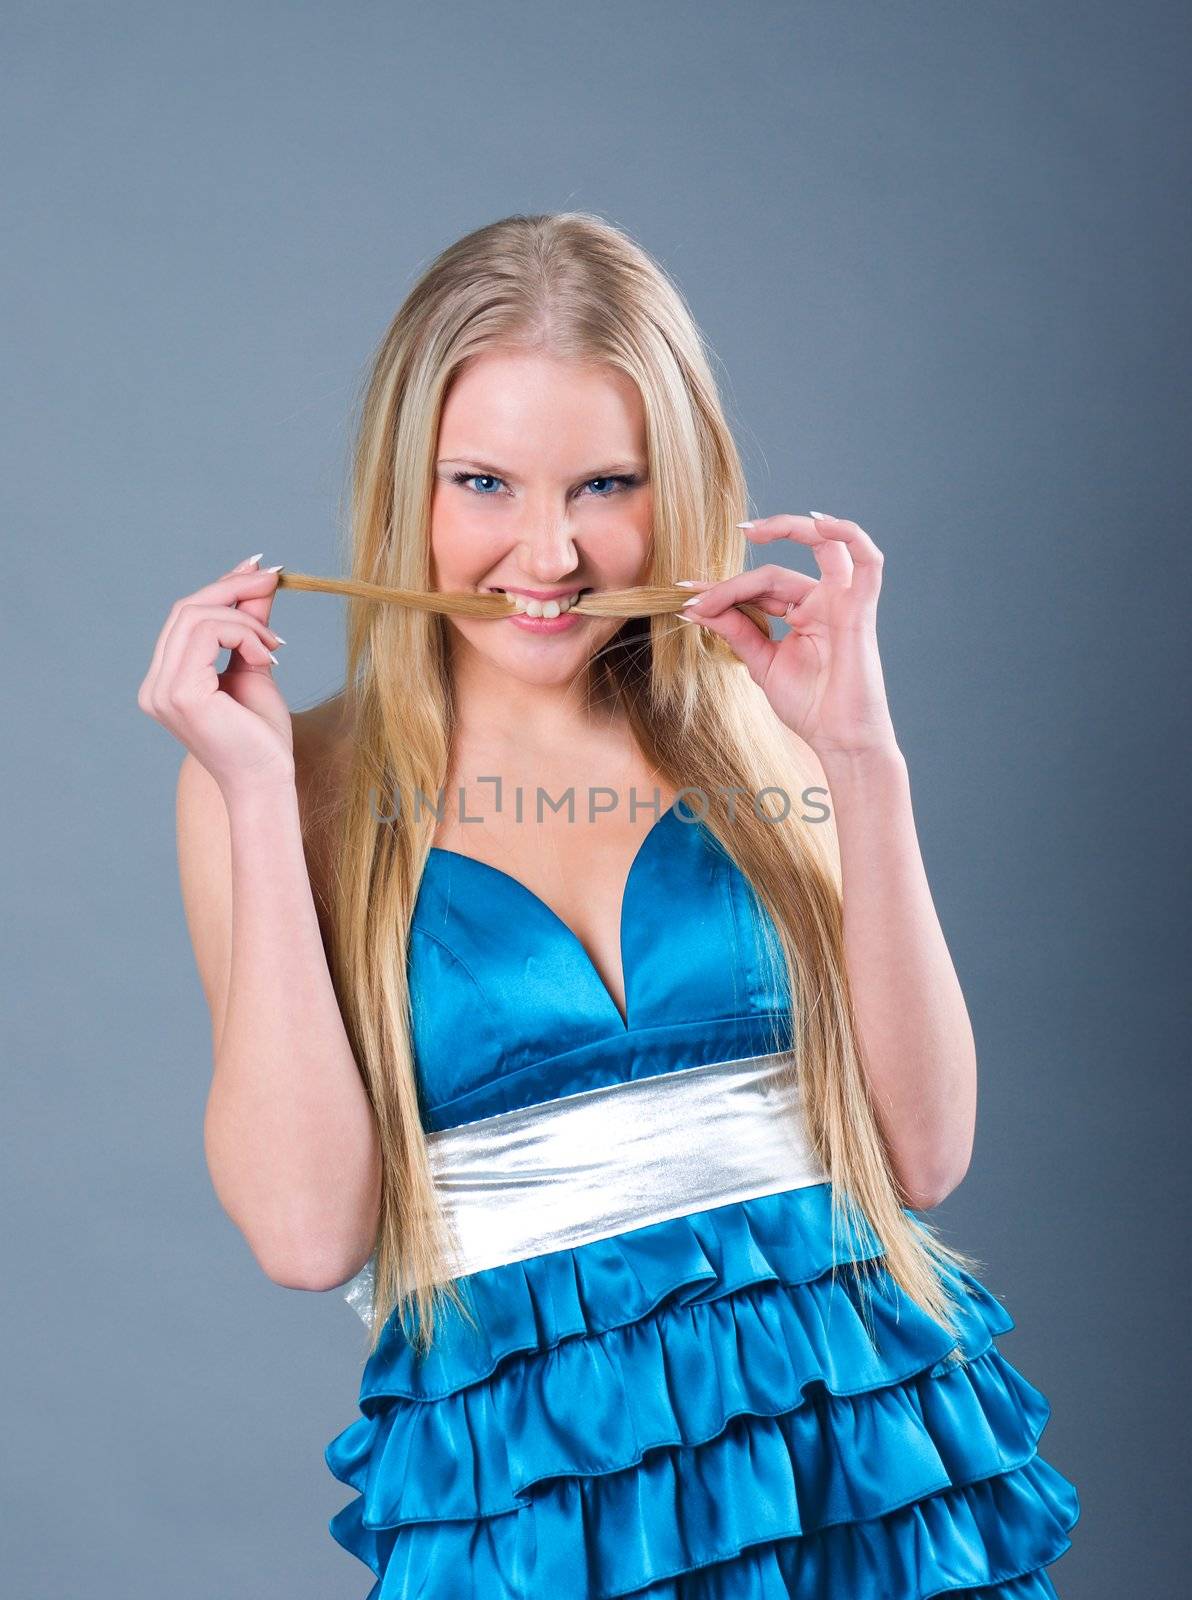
(526, 406)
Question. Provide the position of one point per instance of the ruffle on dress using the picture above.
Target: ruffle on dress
(721, 1406)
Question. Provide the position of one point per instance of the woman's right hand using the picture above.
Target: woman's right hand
(234, 722)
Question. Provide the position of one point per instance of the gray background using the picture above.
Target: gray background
(941, 250)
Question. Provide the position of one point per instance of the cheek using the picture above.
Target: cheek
(617, 538)
(459, 551)
(625, 558)
(637, 534)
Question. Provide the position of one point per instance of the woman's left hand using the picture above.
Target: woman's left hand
(824, 678)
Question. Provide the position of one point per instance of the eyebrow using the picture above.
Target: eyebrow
(499, 472)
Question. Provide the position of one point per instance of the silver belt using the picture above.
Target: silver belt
(586, 1166)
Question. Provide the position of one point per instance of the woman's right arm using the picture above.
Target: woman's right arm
(289, 1133)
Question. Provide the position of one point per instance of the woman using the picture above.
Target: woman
(609, 1090)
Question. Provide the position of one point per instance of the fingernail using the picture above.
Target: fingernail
(251, 561)
(277, 568)
(682, 616)
(274, 659)
(277, 638)
(822, 514)
(687, 583)
(695, 599)
(744, 524)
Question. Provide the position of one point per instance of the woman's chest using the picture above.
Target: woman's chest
(572, 852)
(511, 1004)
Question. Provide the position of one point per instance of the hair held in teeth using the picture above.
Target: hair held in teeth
(645, 600)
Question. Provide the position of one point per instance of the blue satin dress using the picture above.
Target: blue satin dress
(693, 1409)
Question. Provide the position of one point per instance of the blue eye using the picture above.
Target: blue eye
(466, 477)
(625, 480)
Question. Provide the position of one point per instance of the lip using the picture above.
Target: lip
(560, 624)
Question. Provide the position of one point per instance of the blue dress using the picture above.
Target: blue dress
(694, 1409)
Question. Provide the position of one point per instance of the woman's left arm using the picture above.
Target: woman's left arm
(920, 1056)
(823, 680)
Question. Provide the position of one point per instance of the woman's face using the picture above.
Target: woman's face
(540, 489)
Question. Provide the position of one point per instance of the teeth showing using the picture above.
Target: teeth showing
(543, 608)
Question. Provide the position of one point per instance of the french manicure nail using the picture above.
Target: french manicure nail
(744, 524)
(277, 568)
(822, 515)
(252, 560)
(687, 583)
(277, 638)
(274, 659)
(695, 599)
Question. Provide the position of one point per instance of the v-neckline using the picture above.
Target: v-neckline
(625, 1020)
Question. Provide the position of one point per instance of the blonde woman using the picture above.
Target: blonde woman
(579, 1004)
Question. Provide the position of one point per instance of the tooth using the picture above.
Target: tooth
(530, 607)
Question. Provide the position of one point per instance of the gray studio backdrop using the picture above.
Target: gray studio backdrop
(941, 251)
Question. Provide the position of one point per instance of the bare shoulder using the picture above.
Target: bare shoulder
(323, 737)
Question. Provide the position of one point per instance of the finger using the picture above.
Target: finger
(867, 559)
(239, 662)
(835, 543)
(259, 606)
(245, 659)
(236, 660)
(190, 615)
(831, 556)
(776, 607)
(780, 586)
(746, 639)
(194, 631)
(189, 664)
(183, 614)
(772, 605)
(243, 583)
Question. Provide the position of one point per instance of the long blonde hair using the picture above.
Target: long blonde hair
(575, 286)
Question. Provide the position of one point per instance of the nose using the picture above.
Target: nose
(548, 552)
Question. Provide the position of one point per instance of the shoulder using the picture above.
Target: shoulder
(323, 738)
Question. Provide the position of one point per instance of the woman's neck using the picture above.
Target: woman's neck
(495, 711)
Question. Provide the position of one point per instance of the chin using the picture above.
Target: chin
(548, 668)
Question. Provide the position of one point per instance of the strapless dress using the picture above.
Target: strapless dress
(669, 1391)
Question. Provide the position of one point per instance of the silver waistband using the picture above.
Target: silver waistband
(586, 1166)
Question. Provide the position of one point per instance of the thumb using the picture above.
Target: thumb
(261, 605)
